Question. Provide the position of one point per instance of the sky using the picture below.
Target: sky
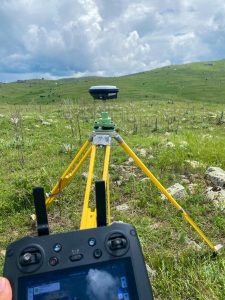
(71, 38)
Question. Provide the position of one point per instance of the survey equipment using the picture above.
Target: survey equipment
(104, 92)
(102, 260)
(103, 134)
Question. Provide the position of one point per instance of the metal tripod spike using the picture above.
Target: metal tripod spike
(104, 132)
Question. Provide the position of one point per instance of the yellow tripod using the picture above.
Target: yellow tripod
(102, 136)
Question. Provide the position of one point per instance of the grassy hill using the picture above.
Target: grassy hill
(196, 81)
(176, 125)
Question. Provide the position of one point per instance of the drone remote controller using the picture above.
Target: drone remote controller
(104, 263)
(100, 263)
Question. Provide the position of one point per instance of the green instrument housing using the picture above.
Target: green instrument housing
(104, 123)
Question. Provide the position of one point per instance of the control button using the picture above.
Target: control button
(53, 261)
(92, 242)
(27, 258)
(30, 258)
(97, 253)
(76, 257)
(133, 232)
(117, 243)
(57, 247)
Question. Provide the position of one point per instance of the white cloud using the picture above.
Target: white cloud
(57, 38)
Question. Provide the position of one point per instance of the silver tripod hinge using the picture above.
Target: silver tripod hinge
(102, 139)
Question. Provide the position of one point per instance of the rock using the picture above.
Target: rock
(33, 220)
(167, 133)
(122, 207)
(217, 195)
(121, 167)
(194, 164)
(67, 147)
(206, 136)
(14, 120)
(151, 272)
(143, 152)
(183, 145)
(46, 123)
(119, 182)
(192, 187)
(195, 177)
(219, 247)
(50, 120)
(212, 115)
(155, 226)
(170, 145)
(129, 161)
(85, 175)
(183, 176)
(193, 244)
(185, 180)
(15, 233)
(216, 176)
(33, 217)
(177, 191)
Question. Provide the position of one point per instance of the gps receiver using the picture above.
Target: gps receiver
(104, 92)
(103, 263)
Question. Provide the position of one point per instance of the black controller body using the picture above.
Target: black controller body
(104, 263)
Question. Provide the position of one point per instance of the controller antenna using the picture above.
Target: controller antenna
(41, 212)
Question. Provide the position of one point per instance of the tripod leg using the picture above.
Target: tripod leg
(88, 219)
(164, 191)
(62, 181)
(108, 201)
(105, 177)
(79, 164)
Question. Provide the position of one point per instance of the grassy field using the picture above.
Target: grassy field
(201, 82)
(38, 141)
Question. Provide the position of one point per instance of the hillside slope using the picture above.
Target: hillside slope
(197, 81)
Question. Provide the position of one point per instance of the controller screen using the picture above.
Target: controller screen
(112, 280)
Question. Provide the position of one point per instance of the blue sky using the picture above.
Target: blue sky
(64, 38)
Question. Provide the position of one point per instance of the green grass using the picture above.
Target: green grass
(195, 81)
(38, 141)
